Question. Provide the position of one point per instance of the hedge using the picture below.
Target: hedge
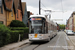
(25, 29)
(22, 30)
(15, 36)
(4, 35)
(10, 35)
(17, 23)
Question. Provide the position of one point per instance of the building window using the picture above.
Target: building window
(1, 7)
(1, 10)
(1, 22)
(12, 13)
(17, 13)
(8, 15)
(8, 0)
(74, 13)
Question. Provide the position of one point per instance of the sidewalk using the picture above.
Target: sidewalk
(14, 45)
(72, 38)
(72, 41)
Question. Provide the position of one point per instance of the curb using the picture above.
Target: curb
(70, 43)
(12, 45)
(14, 48)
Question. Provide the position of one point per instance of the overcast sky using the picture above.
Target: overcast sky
(67, 6)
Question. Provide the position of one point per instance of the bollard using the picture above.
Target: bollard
(19, 38)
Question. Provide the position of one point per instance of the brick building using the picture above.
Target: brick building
(2, 13)
(18, 9)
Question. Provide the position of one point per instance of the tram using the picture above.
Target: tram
(41, 29)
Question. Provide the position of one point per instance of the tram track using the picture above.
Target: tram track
(31, 46)
(36, 47)
(57, 43)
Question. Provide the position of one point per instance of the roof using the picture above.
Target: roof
(23, 7)
(16, 2)
(31, 13)
(50, 21)
(8, 4)
(37, 16)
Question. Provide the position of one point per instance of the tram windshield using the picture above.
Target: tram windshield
(36, 25)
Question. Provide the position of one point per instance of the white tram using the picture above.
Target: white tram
(41, 29)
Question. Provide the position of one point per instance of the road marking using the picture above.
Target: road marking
(67, 38)
(66, 43)
(57, 42)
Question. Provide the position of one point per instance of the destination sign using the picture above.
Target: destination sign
(35, 19)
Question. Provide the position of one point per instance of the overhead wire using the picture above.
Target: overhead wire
(62, 5)
(44, 5)
(62, 8)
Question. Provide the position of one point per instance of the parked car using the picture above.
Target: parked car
(70, 32)
(65, 31)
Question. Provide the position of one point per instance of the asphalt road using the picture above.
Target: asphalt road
(59, 42)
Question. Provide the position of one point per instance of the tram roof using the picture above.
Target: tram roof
(37, 16)
(50, 21)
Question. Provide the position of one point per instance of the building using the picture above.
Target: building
(58, 27)
(25, 17)
(13, 10)
(70, 25)
(67, 25)
(18, 9)
(2, 13)
(73, 14)
(29, 13)
(10, 14)
(6, 11)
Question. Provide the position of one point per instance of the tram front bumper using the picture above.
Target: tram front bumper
(38, 39)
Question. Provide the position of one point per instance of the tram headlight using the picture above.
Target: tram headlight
(30, 35)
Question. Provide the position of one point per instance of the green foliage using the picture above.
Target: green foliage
(62, 26)
(17, 23)
(15, 35)
(10, 35)
(4, 35)
(25, 29)
(22, 30)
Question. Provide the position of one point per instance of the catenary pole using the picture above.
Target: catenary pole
(39, 7)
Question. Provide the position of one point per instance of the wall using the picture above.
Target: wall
(25, 17)
(74, 22)
(70, 23)
(10, 17)
(19, 15)
(3, 16)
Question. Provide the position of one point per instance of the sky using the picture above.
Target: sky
(66, 7)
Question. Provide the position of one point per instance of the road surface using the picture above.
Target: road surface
(59, 42)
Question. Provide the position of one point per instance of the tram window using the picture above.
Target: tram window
(44, 24)
(37, 26)
(46, 27)
(43, 30)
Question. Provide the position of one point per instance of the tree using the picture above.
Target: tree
(62, 26)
